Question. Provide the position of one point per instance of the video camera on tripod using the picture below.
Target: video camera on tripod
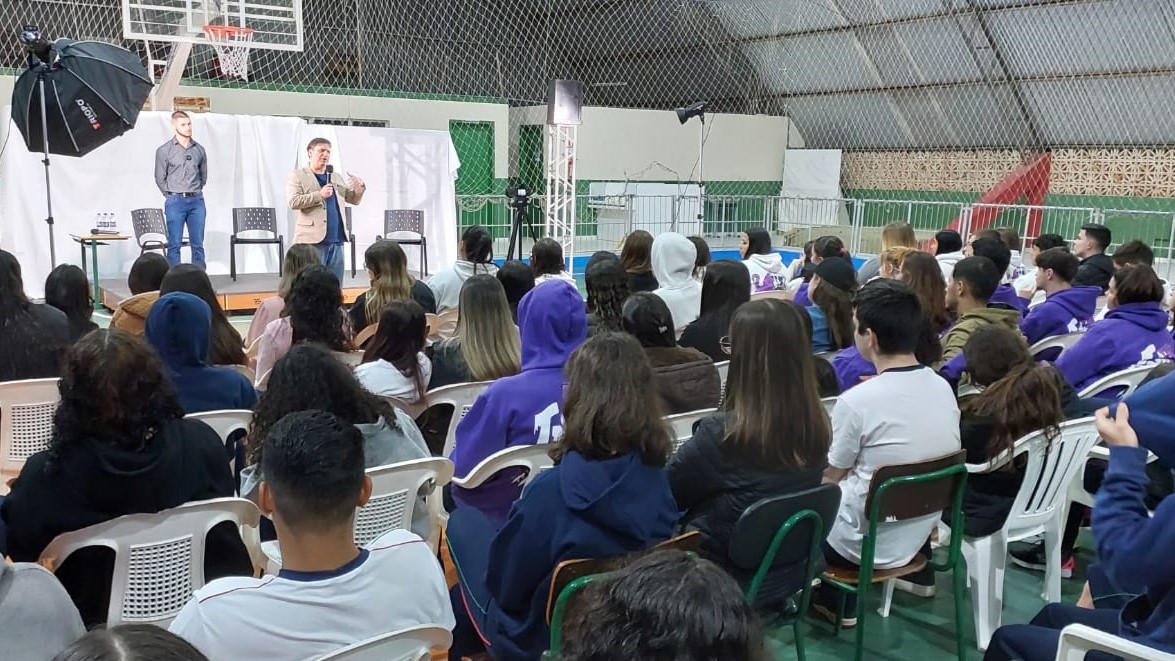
(518, 199)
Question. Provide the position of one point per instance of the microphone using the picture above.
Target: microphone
(330, 169)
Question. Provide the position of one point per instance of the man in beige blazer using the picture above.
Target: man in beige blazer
(313, 192)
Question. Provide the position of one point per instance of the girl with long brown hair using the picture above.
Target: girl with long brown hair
(636, 256)
(772, 434)
(832, 290)
(387, 269)
(486, 345)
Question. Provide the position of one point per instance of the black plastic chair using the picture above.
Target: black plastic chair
(151, 221)
(246, 219)
(774, 551)
(411, 221)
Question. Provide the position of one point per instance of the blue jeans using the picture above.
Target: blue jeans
(331, 255)
(1038, 640)
(181, 211)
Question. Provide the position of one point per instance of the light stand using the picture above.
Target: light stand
(698, 110)
(45, 160)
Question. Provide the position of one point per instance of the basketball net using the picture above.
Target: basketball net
(232, 44)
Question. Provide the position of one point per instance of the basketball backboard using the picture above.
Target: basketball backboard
(276, 24)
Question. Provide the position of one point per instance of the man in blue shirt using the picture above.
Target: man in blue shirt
(313, 191)
(181, 171)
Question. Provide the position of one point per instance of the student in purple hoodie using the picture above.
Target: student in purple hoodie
(1066, 309)
(1134, 331)
(1001, 256)
(523, 409)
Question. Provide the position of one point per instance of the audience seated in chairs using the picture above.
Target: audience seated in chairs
(39, 619)
(298, 257)
(1134, 331)
(636, 256)
(1025, 285)
(667, 605)
(131, 642)
(1134, 551)
(120, 445)
(227, 346)
(673, 260)
(179, 328)
(726, 286)
(486, 345)
(1066, 309)
(999, 254)
(329, 593)
(771, 436)
(309, 378)
(144, 280)
(897, 234)
(394, 364)
(313, 313)
(517, 279)
(1096, 266)
(607, 290)
(546, 261)
(387, 269)
(475, 255)
(764, 264)
(907, 413)
(685, 378)
(831, 291)
(607, 495)
(68, 290)
(1018, 397)
(973, 282)
(33, 336)
(523, 409)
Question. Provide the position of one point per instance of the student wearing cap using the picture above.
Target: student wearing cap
(831, 290)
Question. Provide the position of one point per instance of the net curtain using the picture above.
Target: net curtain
(248, 160)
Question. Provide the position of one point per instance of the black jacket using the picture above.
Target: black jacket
(1095, 271)
(703, 334)
(642, 282)
(420, 293)
(448, 365)
(32, 345)
(93, 482)
(685, 378)
(714, 485)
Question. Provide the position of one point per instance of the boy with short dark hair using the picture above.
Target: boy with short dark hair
(1001, 256)
(1066, 309)
(971, 287)
(329, 593)
(1096, 266)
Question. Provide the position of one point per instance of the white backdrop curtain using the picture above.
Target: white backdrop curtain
(248, 160)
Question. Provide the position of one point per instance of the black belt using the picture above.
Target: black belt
(186, 194)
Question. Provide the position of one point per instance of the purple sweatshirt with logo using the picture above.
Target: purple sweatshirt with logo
(1131, 335)
(1066, 311)
(526, 408)
(850, 367)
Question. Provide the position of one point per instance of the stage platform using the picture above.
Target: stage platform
(244, 295)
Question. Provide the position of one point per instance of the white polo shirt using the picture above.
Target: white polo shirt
(394, 583)
(900, 416)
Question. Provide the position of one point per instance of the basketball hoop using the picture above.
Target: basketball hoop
(232, 44)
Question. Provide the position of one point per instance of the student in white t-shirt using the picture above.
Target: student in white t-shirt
(329, 593)
(905, 414)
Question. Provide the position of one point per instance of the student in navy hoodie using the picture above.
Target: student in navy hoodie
(1134, 550)
(523, 409)
(179, 328)
(606, 496)
(1001, 256)
(1134, 331)
(1066, 309)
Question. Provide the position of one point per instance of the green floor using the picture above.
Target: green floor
(919, 629)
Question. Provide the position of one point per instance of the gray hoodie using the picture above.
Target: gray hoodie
(382, 445)
(37, 617)
(673, 266)
(446, 284)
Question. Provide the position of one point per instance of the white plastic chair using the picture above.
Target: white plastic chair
(534, 458)
(682, 425)
(1077, 640)
(394, 489)
(1039, 509)
(1128, 378)
(225, 422)
(829, 404)
(1062, 342)
(158, 558)
(413, 644)
(26, 420)
(461, 397)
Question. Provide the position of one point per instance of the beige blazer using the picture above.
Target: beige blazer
(302, 193)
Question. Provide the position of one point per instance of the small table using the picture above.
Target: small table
(95, 240)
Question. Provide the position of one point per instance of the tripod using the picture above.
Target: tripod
(519, 209)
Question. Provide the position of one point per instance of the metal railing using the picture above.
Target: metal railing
(602, 222)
